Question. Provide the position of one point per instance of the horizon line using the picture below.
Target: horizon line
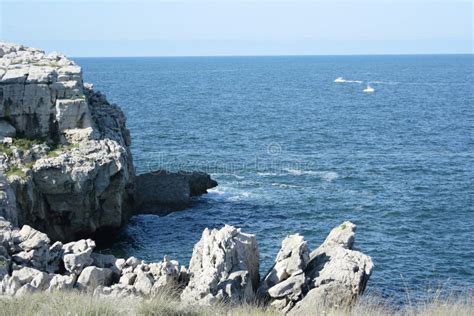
(279, 55)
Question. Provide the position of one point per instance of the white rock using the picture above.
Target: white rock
(31, 238)
(92, 277)
(292, 258)
(143, 283)
(224, 265)
(61, 282)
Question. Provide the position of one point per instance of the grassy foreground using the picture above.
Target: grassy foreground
(74, 303)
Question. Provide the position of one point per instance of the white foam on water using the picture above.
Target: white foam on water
(227, 194)
(285, 186)
(267, 174)
(325, 175)
(342, 80)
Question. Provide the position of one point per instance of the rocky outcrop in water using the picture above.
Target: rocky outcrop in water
(69, 163)
(160, 191)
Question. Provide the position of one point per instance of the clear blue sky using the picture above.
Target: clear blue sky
(239, 27)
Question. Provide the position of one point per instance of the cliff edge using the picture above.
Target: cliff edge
(64, 149)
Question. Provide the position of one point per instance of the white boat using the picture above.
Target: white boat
(369, 89)
(340, 80)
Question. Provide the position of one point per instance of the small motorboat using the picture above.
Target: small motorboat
(340, 80)
(369, 89)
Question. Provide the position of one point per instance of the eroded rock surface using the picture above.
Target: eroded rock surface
(224, 266)
(66, 148)
(333, 274)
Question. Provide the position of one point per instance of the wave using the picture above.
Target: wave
(286, 186)
(342, 80)
(325, 175)
(225, 194)
(267, 174)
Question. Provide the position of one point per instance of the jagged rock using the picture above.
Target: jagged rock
(285, 282)
(88, 185)
(160, 191)
(224, 265)
(336, 274)
(168, 274)
(343, 235)
(143, 282)
(92, 277)
(301, 282)
(292, 259)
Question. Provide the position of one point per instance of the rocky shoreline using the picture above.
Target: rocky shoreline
(67, 173)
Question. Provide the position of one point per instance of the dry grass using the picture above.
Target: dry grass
(74, 303)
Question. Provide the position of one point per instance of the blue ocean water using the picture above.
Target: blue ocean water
(294, 152)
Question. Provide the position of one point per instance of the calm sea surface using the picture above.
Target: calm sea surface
(294, 152)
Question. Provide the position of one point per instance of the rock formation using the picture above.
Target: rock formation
(69, 163)
(333, 274)
(224, 266)
(161, 191)
(30, 263)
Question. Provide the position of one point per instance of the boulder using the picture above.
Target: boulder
(92, 277)
(161, 191)
(108, 261)
(143, 282)
(26, 275)
(78, 255)
(62, 282)
(224, 266)
(31, 238)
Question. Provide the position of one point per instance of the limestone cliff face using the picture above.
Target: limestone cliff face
(65, 150)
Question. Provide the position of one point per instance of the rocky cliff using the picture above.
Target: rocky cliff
(64, 148)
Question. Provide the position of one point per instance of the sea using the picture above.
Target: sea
(294, 151)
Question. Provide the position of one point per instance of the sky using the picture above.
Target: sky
(239, 27)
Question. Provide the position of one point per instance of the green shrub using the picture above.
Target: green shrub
(15, 171)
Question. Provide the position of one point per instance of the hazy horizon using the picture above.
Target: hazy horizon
(192, 28)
